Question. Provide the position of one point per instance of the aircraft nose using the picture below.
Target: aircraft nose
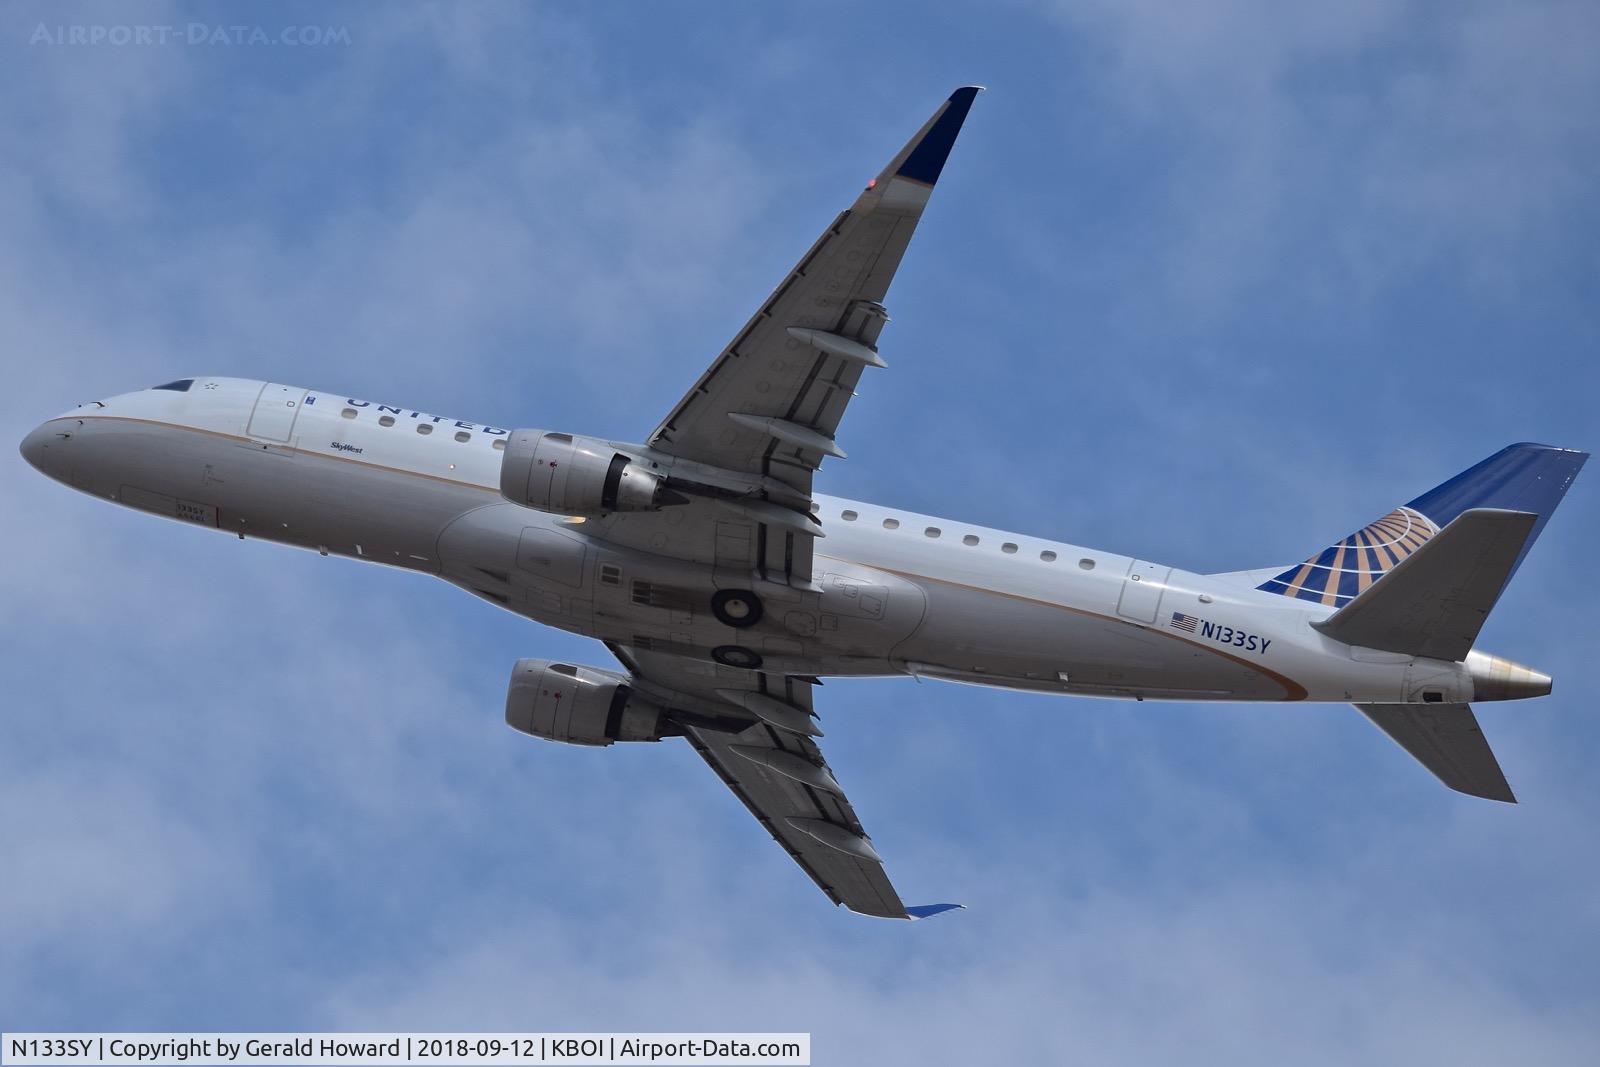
(45, 449)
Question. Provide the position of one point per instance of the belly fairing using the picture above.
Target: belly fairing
(544, 567)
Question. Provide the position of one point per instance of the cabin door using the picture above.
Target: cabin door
(276, 409)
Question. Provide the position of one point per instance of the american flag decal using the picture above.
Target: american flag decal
(1183, 622)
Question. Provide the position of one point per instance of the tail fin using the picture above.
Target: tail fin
(1525, 477)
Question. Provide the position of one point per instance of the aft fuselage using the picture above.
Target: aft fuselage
(894, 592)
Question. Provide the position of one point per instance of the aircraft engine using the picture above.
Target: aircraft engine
(569, 475)
(580, 705)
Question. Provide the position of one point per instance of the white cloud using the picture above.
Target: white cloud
(93, 855)
(1410, 139)
(527, 219)
(1239, 976)
(84, 114)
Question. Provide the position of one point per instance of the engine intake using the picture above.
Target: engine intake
(580, 705)
(567, 475)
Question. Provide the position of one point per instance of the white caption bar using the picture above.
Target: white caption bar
(159, 1050)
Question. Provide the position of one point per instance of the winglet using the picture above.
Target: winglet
(928, 911)
(923, 158)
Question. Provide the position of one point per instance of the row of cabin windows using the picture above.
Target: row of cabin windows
(423, 428)
(970, 540)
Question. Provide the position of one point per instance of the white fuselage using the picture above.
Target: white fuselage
(894, 592)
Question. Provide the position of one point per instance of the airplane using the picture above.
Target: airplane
(728, 589)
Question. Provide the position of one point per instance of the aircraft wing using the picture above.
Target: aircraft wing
(774, 766)
(1446, 739)
(770, 404)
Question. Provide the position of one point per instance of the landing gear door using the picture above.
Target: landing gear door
(276, 409)
(1141, 590)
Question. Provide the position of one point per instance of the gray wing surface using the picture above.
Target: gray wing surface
(769, 406)
(771, 402)
(1446, 739)
(778, 773)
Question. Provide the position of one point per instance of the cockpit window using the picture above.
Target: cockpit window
(179, 386)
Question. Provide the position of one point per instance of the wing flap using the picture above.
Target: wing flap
(779, 802)
(1446, 739)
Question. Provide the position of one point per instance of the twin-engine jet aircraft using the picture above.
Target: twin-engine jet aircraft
(727, 588)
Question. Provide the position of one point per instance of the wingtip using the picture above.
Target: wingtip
(926, 158)
(928, 911)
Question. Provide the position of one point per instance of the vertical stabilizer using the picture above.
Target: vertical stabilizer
(1524, 477)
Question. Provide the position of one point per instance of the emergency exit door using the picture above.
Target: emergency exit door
(276, 409)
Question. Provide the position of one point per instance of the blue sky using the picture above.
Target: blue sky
(1211, 283)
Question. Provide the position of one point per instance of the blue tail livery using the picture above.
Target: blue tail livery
(1522, 477)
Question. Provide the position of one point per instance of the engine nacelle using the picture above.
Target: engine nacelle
(579, 705)
(569, 475)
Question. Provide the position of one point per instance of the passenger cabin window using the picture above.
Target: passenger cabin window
(424, 428)
(1009, 549)
(1086, 564)
(348, 413)
(499, 445)
(1048, 556)
(848, 516)
(463, 436)
(969, 540)
(179, 386)
(932, 531)
(891, 524)
(387, 420)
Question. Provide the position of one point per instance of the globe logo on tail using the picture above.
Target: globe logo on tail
(1342, 571)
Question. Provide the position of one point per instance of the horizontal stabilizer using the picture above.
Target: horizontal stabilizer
(1435, 601)
(928, 911)
(1446, 739)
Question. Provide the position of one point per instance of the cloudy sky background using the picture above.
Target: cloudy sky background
(1211, 283)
